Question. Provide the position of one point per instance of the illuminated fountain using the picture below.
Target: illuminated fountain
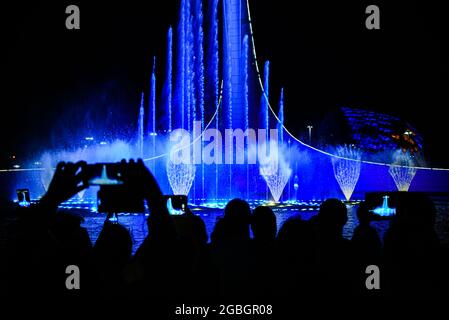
(275, 171)
(265, 96)
(347, 169)
(280, 126)
(180, 177)
(168, 86)
(402, 170)
(140, 124)
(211, 76)
(276, 177)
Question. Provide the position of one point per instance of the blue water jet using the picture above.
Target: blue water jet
(181, 64)
(266, 96)
(169, 77)
(281, 117)
(199, 72)
(140, 126)
(264, 104)
(213, 70)
(152, 102)
(227, 75)
(246, 103)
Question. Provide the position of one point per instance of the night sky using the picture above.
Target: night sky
(321, 53)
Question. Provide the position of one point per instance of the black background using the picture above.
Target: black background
(320, 52)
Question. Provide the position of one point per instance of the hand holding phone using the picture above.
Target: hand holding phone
(67, 181)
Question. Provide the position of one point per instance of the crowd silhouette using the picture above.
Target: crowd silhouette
(177, 261)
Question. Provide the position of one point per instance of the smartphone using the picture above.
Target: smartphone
(104, 174)
(23, 197)
(114, 196)
(176, 204)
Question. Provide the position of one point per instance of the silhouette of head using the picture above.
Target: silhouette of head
(332, 215)
(66, 227)
(363, 214)
(114, 244)
(263, 224)
(415, 209)
(237, 215)
(199, 230)
(295, 232)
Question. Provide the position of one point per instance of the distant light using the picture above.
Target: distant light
(408, 132)
(89, 138)
(153, 134)
(103, 143)
(38, 163)
(16, 166)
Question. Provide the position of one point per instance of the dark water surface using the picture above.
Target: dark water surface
(136, 223)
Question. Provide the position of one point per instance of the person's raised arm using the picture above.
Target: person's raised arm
(67, 181)
(142, 181)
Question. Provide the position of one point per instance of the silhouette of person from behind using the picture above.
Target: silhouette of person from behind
(334, 253)
(264, 228)
(365, 240)
(111, 252)
(413, 259)
(367, 246)
(231, 251)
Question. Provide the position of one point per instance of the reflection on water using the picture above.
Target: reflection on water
(136, 224)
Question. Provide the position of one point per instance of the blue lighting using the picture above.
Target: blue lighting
(211, 76)
(385, 210)
(104, 179)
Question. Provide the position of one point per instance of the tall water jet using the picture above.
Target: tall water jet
(212, 70)
(169, 77)
(281, 117)
(402, 170)
(290, 180)
(227, 75)
(191, 84)
(181, 65)
(280, 125)
(264, 103)
(152, 113)
(217, 117)
(152, 101)
(199, 72)
(140, 126)
(213, 54)
(246, 103)
(347, 168)
(189, 65)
